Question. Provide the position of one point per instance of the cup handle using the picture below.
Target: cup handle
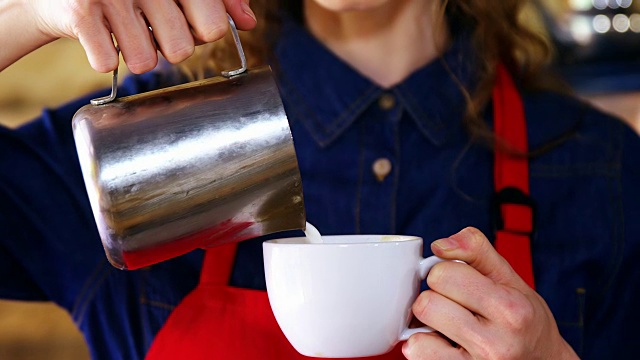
(424, 266)
(406, 334)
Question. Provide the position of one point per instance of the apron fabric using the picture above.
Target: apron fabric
(218, 321)
(513, 206)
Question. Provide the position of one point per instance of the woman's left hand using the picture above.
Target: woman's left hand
(483, 306)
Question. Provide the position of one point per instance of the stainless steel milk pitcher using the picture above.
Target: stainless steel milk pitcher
(189, 166)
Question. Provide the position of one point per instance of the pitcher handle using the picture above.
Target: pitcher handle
(226, 73)
(243, 59)
(114, 88)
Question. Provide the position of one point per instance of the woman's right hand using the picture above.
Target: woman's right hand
(177, 26)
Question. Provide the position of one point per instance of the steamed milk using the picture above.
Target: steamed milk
(313, 235)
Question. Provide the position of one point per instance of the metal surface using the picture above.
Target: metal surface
(189, 166)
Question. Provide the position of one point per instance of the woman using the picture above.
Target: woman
(392, 105)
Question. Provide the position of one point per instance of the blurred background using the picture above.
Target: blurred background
(597, 46)
(597, 52)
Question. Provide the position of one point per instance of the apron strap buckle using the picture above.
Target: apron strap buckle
(513, 211)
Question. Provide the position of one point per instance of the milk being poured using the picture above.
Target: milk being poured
(312, 234)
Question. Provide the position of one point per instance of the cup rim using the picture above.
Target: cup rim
(299, 240)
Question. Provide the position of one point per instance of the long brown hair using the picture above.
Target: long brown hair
(508, 32)
(498, 34)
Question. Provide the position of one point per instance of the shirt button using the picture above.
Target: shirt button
(381, 168)
(387, 101)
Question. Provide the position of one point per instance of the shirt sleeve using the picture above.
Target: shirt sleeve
(41, 215)
(631, 194)
(15, 281)
(49, 243)
(624, 293)
(631, 202)
(47, 240)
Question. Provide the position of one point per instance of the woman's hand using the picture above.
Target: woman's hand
(484, 307)
(177, 27)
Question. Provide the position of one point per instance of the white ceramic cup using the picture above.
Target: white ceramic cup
(349, 296)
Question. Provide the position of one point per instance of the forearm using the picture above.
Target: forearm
(19, 33)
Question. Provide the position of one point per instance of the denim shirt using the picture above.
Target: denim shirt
(373, 160)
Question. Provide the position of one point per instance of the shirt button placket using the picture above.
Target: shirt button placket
(381, 167)
(376, 210)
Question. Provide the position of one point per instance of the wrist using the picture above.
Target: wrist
(20, 33)
(40, 32)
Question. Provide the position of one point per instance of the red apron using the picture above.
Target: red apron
(218, 321)
(513, 207)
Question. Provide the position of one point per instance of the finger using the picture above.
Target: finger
(448, 317)
(208, 19)
(95, 38)
(170, 29)
(467, 287)
(132, 34)
(431, 346)
(472, 247)
(241, 13)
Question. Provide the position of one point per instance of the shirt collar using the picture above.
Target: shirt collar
(430, 96)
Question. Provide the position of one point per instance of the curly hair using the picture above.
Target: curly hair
(498, 32)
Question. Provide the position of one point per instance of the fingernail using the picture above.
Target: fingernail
(446, 244)
(247, 10)
(406, 349)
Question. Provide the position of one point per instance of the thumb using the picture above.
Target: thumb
(471, 246)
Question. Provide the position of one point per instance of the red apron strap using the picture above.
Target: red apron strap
(218, 263)
(513, 206)
(217, 321)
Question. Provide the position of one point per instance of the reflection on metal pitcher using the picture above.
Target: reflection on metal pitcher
(189, 166)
